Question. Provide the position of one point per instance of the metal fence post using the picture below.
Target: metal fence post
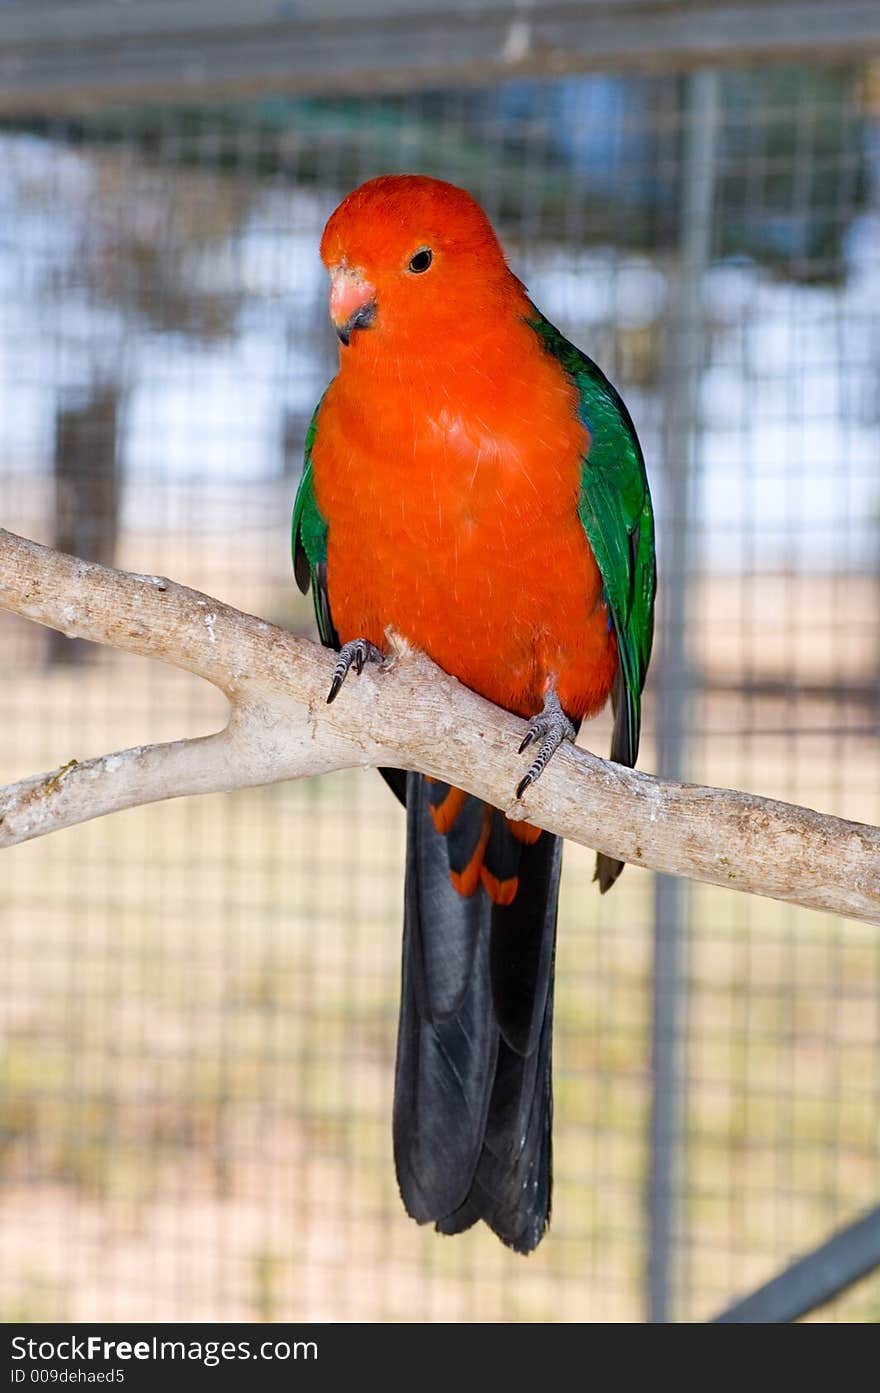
(814, 1279)
(673, 679)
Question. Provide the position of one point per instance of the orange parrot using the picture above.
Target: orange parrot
(473, 482)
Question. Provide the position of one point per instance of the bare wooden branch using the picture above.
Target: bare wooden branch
(410, 715)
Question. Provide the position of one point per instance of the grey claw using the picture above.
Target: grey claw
(523, 784)
(552, 727)
(355, 653)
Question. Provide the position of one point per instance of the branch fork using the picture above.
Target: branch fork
(408, 715)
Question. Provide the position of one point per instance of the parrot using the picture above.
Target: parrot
(473, 483)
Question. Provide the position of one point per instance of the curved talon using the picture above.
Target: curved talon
(352, 654)
(552, 727)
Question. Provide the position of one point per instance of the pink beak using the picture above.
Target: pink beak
(352, 302)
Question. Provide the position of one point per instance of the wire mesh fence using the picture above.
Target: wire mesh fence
(198, 999)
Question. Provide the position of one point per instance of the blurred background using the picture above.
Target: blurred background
(198, 1000)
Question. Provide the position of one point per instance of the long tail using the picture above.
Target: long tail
(473, 1091)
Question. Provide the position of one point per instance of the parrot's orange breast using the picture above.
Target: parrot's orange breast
(452, 518)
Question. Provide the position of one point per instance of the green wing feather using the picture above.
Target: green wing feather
(615, 509)
(309, 546)
(309, 542)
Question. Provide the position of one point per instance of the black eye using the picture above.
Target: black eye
(421, 261)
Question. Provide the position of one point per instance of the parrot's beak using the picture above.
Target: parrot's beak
(352, 302)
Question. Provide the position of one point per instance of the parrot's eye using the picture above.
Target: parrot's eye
(421, 260)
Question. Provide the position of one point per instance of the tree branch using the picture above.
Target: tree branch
(410, 715)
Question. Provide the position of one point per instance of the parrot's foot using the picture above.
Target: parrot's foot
(353, 654)
(552, 727)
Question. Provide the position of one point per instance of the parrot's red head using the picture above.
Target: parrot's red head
(413, 260)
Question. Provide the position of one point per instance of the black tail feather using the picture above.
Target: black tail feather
(473, 1092)
(503, 851)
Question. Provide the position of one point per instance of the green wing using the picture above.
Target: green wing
(615, 509)
(309, 546)
(309, 542)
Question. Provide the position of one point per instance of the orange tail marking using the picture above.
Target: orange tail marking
(499, 891)
(524, 832)
(466, 881)
(446, 812)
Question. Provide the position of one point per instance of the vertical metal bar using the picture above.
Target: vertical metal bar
(673, 684)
